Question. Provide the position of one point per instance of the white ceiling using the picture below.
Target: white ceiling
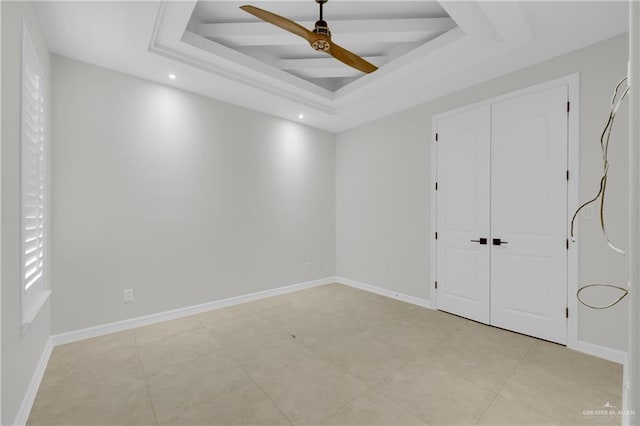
(378, 31)
(425, 49)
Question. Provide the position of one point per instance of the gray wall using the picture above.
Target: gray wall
(383, 186)
(20, 353)
(182, 198)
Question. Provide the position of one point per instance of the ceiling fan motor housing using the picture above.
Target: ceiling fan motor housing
(323, 41)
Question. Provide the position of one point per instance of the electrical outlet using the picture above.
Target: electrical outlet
(307, 266)
(128, 295)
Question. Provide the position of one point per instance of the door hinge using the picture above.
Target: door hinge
(436, 285)
(436, 137)
(567, 174)
(436, 186)
(568, 106)
(567, 244)
(566, 312)
(436, 235)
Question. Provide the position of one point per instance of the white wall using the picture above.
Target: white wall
(182, 198)
(0, 217)
(382, 205)
(632, 372)
(383, 186)
(20, 353)
(188, 200)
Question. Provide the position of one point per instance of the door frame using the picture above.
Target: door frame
(572, 81)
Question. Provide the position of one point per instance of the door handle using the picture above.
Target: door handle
(498, 242)
(481, 241)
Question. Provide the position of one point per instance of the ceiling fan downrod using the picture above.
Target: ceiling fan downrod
(321, 2)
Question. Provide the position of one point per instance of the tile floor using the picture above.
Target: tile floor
(330, 355)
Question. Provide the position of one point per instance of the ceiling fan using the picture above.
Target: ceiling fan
(319, 38)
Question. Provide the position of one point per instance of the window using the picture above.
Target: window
(33, 164)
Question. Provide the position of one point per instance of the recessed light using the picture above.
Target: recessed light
(300, 116)
(172, 76)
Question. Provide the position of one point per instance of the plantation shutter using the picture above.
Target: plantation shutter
(33, 178)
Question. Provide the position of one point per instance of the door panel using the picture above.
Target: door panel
(463, 213)
(529, 212)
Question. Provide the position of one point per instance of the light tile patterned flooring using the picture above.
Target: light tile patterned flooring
(329, 355)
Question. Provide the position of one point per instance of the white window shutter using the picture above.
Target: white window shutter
(33, 182)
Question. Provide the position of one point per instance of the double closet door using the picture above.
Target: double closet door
(502, 213)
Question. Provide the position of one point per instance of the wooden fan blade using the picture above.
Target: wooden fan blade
(279, 21)
(351, 59)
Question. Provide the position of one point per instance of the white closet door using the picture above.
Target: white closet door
(463, 213)
(529, 214)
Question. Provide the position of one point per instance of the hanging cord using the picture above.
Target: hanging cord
(615, 302)
(604, 146)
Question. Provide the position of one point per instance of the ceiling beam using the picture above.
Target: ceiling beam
(335, 72)
(351, 31)
(324, 62)
(326, 67)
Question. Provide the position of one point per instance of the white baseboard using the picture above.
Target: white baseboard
(599, 351)
(34, 385)
(87, 333)
(425, 303)
(604, 352)
(613, 355)
(114, 327)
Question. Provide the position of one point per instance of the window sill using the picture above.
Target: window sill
(30, 313)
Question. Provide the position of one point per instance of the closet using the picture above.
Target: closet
(501, 212)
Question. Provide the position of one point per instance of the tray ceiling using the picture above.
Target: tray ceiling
(425, 49)
(378, 31)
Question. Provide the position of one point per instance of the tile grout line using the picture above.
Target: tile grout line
(247, 373)
(504, 383)
(415, 414)
(368, 389)
(146, 382)
(316, 354)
